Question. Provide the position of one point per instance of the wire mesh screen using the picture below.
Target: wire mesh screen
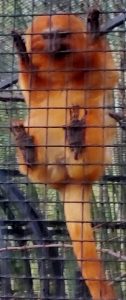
(62, 150)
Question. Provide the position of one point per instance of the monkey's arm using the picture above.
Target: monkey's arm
(26, 69)
(21, 48)
(23, 140)
(93, 24)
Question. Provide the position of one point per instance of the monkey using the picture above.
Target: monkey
(67, 74)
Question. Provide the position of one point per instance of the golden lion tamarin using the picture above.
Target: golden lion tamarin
(66, 75)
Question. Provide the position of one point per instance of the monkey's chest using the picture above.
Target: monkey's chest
(47, 128)
(53, 150)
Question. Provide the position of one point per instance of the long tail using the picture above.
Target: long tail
(77, 209)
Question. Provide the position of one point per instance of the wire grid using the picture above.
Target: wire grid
(31, 214)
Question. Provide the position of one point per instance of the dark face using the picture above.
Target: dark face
(57, 42)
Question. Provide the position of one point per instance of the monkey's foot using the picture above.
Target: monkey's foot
(20, 45)
(25, 142)
(75, 132)
(120, 118)
(93, 23)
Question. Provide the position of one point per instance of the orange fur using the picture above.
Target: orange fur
(49, 87)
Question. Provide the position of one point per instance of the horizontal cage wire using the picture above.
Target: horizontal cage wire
(62, 150)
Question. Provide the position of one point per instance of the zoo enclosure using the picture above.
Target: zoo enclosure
(36, 258)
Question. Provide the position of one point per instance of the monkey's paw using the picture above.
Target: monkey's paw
(75, 132)
(24, 142)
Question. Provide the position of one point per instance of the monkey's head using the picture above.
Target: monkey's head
(56, 41)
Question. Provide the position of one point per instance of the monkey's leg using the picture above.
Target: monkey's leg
(25, 142)
(77, 208)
